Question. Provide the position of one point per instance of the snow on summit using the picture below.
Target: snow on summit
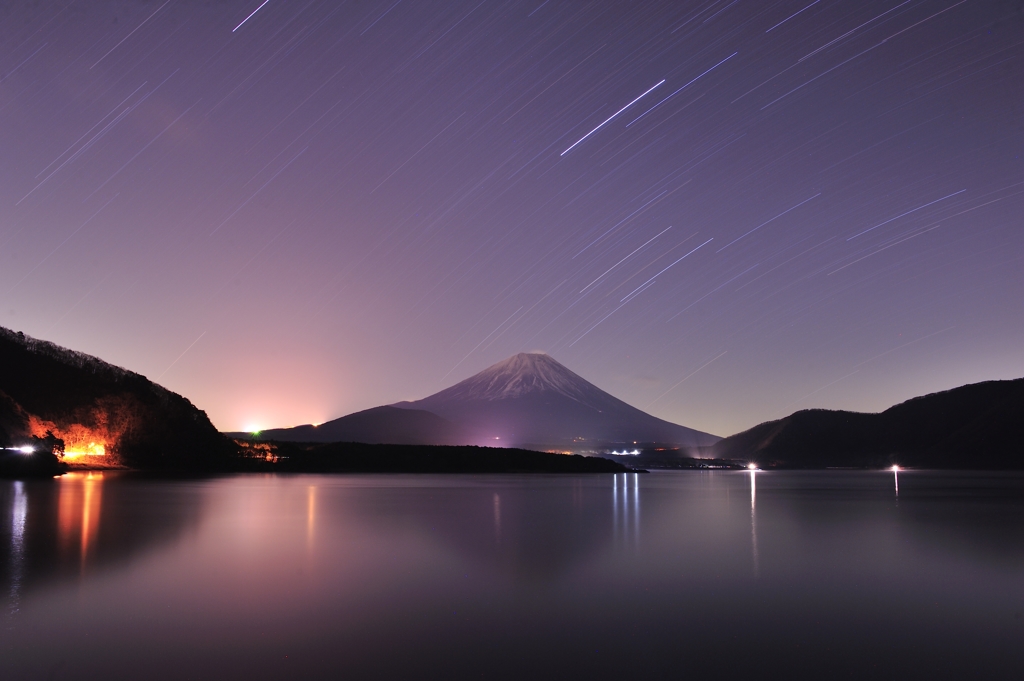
(533, 401)
(520, 375)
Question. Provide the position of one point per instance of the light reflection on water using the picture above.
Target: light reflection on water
(626, 508)
(79, 506)
(753, 521)
(514, 576)
(17, 560)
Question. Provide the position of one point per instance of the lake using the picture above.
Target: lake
(689, 574)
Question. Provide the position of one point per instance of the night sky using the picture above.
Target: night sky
(720, 212)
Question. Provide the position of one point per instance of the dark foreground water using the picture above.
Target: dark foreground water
(668, 575)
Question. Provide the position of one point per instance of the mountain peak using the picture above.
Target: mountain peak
(519, 375)
(531, 399)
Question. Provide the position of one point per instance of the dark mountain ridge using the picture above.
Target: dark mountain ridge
(979, 426)
(100, 411)
(379, 425)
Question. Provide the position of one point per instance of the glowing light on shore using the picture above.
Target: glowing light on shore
(81, 440)
(90, 449)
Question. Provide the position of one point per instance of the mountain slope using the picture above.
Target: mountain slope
(100, 411)
(380, 425)
(531, 400)
(974, 426)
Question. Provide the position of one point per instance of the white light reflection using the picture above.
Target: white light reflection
(19, 509)
(896, 479)
(615, 508)
(497, 518)
(636, 509)
(753, 518)
(624, 513)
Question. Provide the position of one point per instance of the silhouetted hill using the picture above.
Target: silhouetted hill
(96, 407)
(974, 426)
(530, 400)
(355, 457)
(380, 425)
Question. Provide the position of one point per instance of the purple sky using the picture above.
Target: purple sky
(345, 204)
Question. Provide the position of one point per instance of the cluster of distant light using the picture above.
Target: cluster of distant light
(635, 452)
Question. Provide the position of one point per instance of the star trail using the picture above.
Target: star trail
(290, 211)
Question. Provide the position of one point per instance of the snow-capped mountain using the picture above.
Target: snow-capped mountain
(531, 400)
(517, 376)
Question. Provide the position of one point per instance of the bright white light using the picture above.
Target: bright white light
(895, 468)
(27, 449)
(752, 466)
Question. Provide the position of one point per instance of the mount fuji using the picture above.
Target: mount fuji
(528, 400)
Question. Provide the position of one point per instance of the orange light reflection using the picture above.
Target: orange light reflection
(78, 511)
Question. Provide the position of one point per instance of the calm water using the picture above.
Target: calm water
(668, 575)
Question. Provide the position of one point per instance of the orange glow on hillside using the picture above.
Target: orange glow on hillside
(81, 443)
(91, 449)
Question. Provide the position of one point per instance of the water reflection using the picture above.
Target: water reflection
(17, 565)
(626, 508)
(514, 576)
(529, 528)
(80, 503)
(71, 526)
(310, 515)
(753, 522)
(497, 518)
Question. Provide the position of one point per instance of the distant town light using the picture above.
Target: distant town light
(752, 466)
(895, 468)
